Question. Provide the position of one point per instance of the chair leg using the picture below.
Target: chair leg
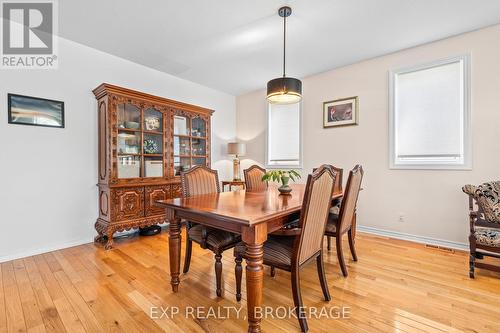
(218, 273)
(273, 271)
(340, 255)
(238, 271)
(297, 300)
(471, 265)
(350, 233)
(322, 277)
(328, 243)
(187, 255)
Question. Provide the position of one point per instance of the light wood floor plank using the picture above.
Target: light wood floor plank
(30, 306)
(13, 308)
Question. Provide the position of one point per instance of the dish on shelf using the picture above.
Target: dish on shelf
(152, 123)
(129, 150)
(132, 125)
(150, 147)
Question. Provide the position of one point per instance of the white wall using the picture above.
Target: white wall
(48, 196)
(431, 200)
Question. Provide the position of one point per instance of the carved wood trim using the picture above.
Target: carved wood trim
(152, 194)
(107, 88)
(128, 203)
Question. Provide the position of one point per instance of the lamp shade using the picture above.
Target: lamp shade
(236, 148)
(284, 90)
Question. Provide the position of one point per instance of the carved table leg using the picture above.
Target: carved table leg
(174, 248)
(254, 238)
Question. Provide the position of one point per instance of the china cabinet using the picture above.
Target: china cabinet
(145, 142)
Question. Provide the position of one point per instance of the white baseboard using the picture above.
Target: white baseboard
(414, 238)
(32, 252)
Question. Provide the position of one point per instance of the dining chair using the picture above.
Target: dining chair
(484, 225)
(292, 253)
(201, 180)
(341, 223)
(253, 178)
(336, 203)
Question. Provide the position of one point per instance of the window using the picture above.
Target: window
(284, 136)
(429, 116)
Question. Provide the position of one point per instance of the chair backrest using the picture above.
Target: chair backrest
(487, 196)
(314, 213)
(338, 178)
(199, 180)
(350, 198)
(253, 178)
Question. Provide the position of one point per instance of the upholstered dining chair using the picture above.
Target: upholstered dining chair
(292, 253)
(341, 223)
(253, 178)
(484, 237)
(336, 203)
(201, 180)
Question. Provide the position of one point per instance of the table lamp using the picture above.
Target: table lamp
(237, 149)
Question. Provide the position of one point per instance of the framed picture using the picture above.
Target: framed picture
(34, 111)
(340, 112)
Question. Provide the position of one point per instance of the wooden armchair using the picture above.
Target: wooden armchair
(253, 178)
(292, 253)
(484, 218)
(201, 180)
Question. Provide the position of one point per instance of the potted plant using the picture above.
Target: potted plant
(283, 177)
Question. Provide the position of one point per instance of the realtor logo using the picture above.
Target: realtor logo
(28, 34)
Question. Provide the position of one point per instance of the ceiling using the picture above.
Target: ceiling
(236, 45)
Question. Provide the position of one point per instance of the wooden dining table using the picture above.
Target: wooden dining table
(253, 215)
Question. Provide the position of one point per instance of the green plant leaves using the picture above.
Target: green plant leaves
(277, 175)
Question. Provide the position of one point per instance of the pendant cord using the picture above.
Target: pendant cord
(284, 44)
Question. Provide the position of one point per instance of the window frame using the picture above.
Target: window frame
(432, 164)
(268, 165)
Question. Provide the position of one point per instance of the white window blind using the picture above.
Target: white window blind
(283, 137)
(429, 116)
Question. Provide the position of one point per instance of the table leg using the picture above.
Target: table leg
(174, 248)
(254, 238)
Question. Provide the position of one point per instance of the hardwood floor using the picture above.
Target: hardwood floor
(396, 286)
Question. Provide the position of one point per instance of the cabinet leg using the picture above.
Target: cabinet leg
(99, 238)
(109, 241)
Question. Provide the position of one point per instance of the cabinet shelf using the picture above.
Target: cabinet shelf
(190, 136)
(153, 132)
(129, 130)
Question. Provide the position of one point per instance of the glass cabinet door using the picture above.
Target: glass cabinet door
(129, 141)
(181, 125)
(199, 127)
(153, 120)
(153, 143)
(199, 147)
(181, 146)
(140, 142)
(129, 117)
(190, 143)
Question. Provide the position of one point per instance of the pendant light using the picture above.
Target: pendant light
(284, 90)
